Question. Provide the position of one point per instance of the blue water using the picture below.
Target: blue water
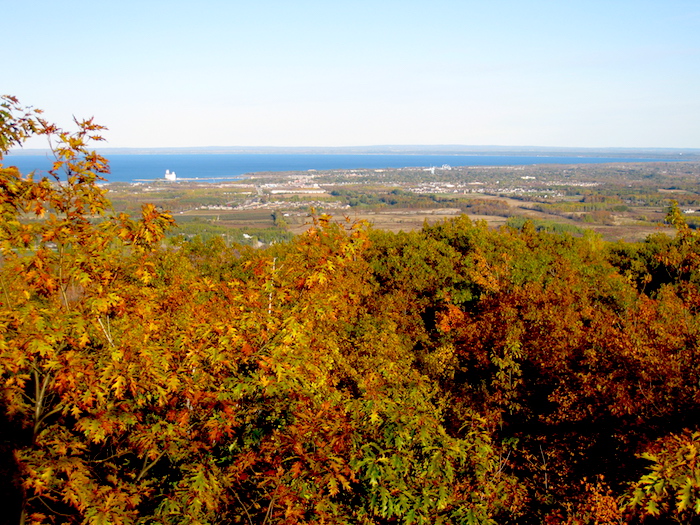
(210, 167)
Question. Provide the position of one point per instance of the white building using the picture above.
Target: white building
(170, 175)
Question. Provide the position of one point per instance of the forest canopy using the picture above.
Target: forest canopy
(456, 374)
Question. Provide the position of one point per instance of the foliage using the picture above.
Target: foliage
(543, 225)
(671, 486)
(457, 374)
(198, 231)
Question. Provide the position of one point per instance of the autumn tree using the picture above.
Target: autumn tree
(457, 374)
(149, 382)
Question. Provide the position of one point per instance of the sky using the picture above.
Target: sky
(558, 73)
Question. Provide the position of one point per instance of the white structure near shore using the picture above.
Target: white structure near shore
(170, 175)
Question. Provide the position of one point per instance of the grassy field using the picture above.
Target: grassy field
(624, 227)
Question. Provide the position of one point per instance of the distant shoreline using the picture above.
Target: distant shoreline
(211, 166)
(670, 153)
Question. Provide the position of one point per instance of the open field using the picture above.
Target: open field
(623, 228)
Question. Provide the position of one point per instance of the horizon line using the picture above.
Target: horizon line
(376, 149)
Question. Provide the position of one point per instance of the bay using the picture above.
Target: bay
(216, 167)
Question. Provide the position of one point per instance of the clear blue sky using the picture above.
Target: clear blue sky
(608, 73)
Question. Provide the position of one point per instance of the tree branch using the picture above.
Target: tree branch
(148, 467)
